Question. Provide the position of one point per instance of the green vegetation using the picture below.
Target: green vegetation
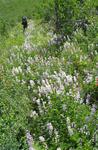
(11, 12)
(48, 94)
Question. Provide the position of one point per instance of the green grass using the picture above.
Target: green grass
(44, 64)
(11, 11)
(40, 85)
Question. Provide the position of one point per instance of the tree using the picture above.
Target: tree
(64, 15)
(57, 23)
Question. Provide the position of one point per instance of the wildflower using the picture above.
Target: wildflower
(81, 130)
(95, 138)
(87, 118)
(62, 74)
(59, 91)
(23, 82)
(74, 78)
(29, 87)
(48, 97)
(28, 69)
(85, 127)
(40, 110)
(93, 109)
(19, 69)
(89, 78)
(31, 83)
(69, 78)
(77, 96)
(70, 131)
(33, 114)
(56, 136)
(27, 45)
(38, 102)
(81, 101)
(70, 92)
(15, 71)
(42, 139)
(29, 140)
(50, 127)
(45, 88)
(30, 60)
(88, 98)
(67, 45)
(58, 148)
(64, 107)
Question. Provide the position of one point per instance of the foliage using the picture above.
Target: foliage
(48, 92)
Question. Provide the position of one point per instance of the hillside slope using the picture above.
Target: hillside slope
(48, 92)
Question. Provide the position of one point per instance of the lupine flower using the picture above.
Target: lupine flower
(50, 127)
(70, 131)
(27, 45)
(42, 139)
(69, 79)
(64, 107)
(95, 138)
(89, 78)
(56, 136)
(28, 69)
(38, 102)
(87, 118)
(33, 114)
(93, 109)
(74, 78)
(29, 140)
(77, 95)
(67, 45)
(16, 71)
(88, 99)
(32, 83)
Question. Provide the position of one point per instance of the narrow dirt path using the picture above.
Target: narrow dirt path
(28, 35)
(27, 45)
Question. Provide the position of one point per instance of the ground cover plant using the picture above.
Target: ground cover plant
(48, 90)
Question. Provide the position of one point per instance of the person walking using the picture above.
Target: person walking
(24, 23)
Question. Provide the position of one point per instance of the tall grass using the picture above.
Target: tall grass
(11, 11)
